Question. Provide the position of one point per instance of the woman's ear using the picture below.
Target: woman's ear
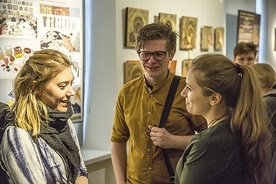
(215, 99)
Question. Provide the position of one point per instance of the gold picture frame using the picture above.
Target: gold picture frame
(133, 70)
(274, 39)
(188, 30)
(186, 64)
(206, 38)
(135, 19)
(172, 65)
(218, 38)
(169, 19)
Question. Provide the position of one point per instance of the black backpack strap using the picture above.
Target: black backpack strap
(169, 101)
(164, 117)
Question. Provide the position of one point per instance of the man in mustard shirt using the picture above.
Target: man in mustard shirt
(138, 111)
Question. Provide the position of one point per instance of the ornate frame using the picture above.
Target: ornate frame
(135, 19)
(188, 30)
(218, 38)
(133, 69)
(169, 19)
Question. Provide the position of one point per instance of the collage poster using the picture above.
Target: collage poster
(28, 25)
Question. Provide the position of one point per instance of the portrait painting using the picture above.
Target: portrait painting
(186, 64)
(188, 27)
(133, 70)
(206, 38)
(169, 19)
(135, 19)
(218, 38)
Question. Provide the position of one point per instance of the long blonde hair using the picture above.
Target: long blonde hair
(39, 69)
(242, 96)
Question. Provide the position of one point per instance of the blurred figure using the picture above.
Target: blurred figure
(245, 53)
(266, 76)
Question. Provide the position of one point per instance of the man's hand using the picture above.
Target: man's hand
(161, 137)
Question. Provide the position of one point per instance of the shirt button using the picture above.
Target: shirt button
(150, 168)
(149, 112)
(148, 150)
(148, 131)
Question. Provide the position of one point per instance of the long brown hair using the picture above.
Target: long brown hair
(242, 98)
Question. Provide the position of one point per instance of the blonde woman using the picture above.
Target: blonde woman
(41, 146)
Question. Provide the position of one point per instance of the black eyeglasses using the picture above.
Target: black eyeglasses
(157, 55)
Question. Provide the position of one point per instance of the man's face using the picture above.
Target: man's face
(245, 59)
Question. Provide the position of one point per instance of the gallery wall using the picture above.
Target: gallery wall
(108, 54)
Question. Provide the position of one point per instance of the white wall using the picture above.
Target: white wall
(203, 10)
(270, 34)
(108, 54)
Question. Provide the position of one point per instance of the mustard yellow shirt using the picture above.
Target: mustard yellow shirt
(137, 107)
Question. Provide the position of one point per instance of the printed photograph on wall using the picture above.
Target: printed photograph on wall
(132, 70)
(28, 26)
(77, 102)
(188, 27)
(186, 64)
(169, 19)
(135, 19)
(206, 41)
(218, 38)
(17, 22)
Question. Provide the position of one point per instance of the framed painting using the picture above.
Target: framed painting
(206, 38)
(188, 27)
(169, 19)
(133, 70)
(186, 64)
(218, 38)
(135, 19)
(172, 66)
(248, 27)
(274, 39)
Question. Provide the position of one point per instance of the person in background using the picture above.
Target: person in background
(236, 147)
(266, 76)
(138, 111)
(41, 144)
(245, 53)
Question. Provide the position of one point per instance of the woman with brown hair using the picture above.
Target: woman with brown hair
(236, 147)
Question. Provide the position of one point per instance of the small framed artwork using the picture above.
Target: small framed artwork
(274, 39)
(218, 38)
(77, 104)
(186, 64)
(248, 27)
(172, 65)
(133, 70)
(206, 38)
(169, 19)
(188, 27)
(135, 19)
